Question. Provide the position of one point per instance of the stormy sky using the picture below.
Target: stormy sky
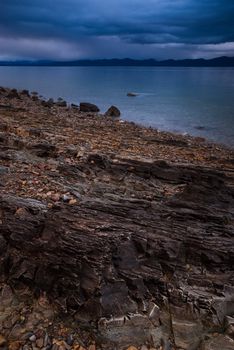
(78, 29)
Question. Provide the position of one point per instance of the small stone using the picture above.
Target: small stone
(72, 201)
(61, 104)
(131, 348)
(55, 347)
(144, 347)
(22, 319)
(70, 339)
(17, 332)
(21, 212)
(40, 342)
(48, 347)
(33, 338)
(48, 103)
(66, 198)
(6, 296)
(93, 347)
(4, 170)
(16, 345)
(71, 150)
(2, 340)
(46, 340)
(55, 197)
(24, 92)
(26, 347)
(27, 335)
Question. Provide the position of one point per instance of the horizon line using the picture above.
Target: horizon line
(112, 58)
(220, 61)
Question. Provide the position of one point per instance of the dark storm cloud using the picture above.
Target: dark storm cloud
(78, 28)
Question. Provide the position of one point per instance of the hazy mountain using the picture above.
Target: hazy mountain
(201, 62)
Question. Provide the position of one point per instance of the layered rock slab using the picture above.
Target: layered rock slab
(146, 254)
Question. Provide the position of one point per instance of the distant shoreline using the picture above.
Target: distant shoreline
(201, 62)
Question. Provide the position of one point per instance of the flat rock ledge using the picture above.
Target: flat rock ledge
(127, 252)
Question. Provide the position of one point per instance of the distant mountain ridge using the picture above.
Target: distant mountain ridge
(223, 61)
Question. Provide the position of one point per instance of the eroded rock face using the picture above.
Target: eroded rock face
(144, 265)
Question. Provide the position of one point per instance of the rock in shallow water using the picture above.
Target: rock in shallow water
(113, 112)
(132, 94)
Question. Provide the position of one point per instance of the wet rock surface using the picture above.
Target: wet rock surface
(112, 236)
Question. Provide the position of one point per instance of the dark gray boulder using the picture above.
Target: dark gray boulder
(73, 105)
(113, 112)
(13, 93)
(88, 107)
(61, 103)
(49, 103)
(25, 92)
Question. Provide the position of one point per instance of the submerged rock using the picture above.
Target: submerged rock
(199, 127)
(132, 94)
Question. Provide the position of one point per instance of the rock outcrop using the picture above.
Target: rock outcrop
(128, 257)
(138, 250)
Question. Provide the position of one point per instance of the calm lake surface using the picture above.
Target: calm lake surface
(198, 101)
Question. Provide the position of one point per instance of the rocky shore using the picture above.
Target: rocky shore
(112, 236)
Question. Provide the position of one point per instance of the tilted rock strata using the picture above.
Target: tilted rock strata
(140, 249)
(164, 264)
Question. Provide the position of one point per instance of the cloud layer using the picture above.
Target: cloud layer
(69, 29)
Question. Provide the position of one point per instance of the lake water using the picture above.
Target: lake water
(198, 101)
